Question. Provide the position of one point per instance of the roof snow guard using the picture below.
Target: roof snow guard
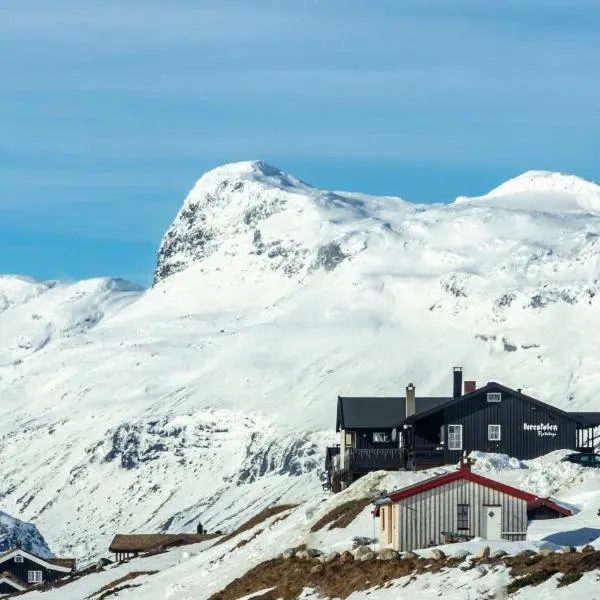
(532, 500)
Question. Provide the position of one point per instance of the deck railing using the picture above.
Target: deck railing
(422, 456)
(358, 459)
(368, 459)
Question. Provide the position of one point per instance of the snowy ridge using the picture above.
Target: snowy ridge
(542, 191)
(213, 394)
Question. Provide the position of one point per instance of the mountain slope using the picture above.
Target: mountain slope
(13, 531)
(212, 394)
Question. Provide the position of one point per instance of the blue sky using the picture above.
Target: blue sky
(111, 110)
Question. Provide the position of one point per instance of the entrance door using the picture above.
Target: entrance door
(492, 522)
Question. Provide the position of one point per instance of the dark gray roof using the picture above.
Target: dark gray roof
(382, 412)
(491, 386)
(587, 419)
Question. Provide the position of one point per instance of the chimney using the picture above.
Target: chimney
(465, 463)
(470, 386)
(457, 388)
(411, 402)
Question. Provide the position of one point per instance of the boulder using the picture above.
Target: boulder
(527, 553)
(461, 554)
(437, 554)
(289, 553)
(313, 553)
(587, 548)
(498, 554)
(367, 556)
(360, 551)
(481, 571)
(318, 568)
(362, 541)
(331, 557)
(388, 554)
(346, 557)
(483, 552)
(302, 554)
(410, 555)
(546, 552)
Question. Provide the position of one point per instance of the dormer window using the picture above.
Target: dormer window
(494, 397)
(18, 558)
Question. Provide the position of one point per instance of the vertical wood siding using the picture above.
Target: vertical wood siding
(476, 413)
(422, 518)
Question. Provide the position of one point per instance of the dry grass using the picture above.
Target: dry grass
(342, 515)
(244, 542)
(115, 586)
(334, 580)
(340, 579)
(258, 519)
(537, 569)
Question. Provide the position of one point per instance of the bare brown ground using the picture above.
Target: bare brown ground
(342, 515)
(339, 579)
(258, 519)
(244, 542)
(334, 580)
(114, 586)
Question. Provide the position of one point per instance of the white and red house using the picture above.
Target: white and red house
(459, 505)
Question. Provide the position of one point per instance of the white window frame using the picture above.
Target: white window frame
(35, 576)
(497, 428)
(494, 397)
(384, 438)
(18, 558)
(455, 431)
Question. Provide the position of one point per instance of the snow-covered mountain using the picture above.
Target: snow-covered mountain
(212, 394)
(13, 531)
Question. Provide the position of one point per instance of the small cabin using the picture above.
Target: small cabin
(458, 506)
(20, 570)
(126, 546)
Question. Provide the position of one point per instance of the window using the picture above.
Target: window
(494, 397)
(494, 433)
(455, 441)
(18, 558)
(34, 576)
(350, 439)
(383, 518)
(462, 516)
(380, 438)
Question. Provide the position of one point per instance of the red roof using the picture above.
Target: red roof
(565, 512)
(466, 474)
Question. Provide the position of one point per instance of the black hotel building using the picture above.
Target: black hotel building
(411, 432)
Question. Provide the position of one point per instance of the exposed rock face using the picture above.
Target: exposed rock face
(13, 531)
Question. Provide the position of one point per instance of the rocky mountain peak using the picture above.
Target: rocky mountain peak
(252, 217)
